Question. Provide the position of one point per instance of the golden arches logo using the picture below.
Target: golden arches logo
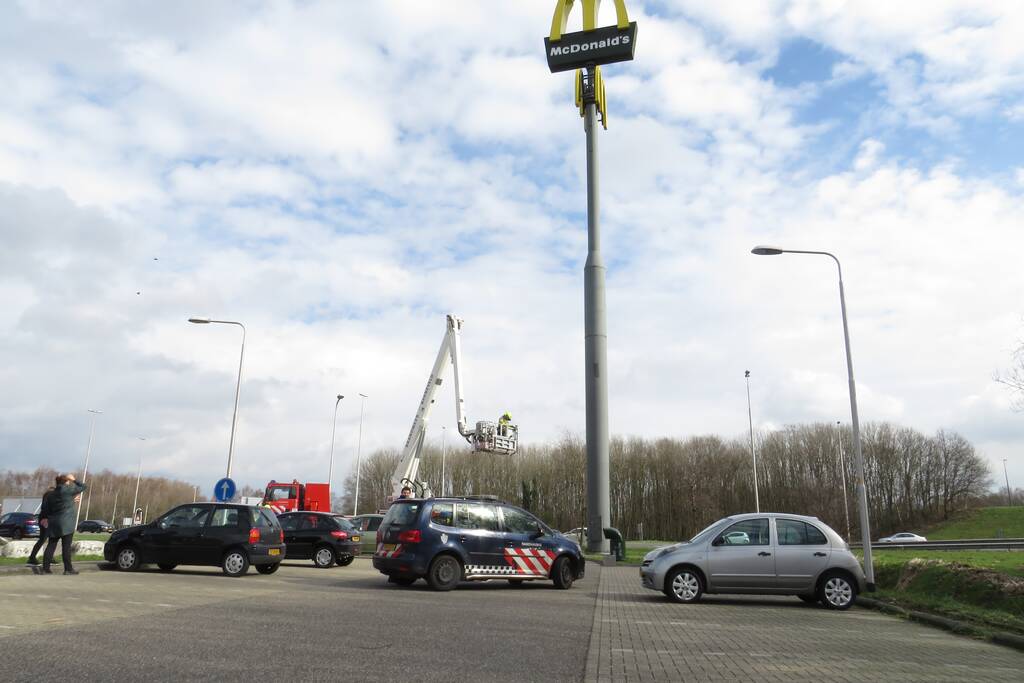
(563, 9)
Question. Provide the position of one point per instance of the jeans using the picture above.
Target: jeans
(65, 551)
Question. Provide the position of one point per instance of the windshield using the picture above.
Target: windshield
(706, 531)
(280, 493)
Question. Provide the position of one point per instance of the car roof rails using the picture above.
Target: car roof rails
(482, 496)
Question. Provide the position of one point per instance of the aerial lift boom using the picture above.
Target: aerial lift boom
(489, 437)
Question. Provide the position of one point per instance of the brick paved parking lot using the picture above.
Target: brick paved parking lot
(347, 623)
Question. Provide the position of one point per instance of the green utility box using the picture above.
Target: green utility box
(618, 543)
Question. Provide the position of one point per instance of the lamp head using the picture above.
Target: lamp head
(199, 321)
(746, 373)
(340, 397)
(763, 250)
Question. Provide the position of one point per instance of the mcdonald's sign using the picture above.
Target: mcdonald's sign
(592, 46)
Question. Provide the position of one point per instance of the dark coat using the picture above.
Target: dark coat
(44, 507)
(62, 509)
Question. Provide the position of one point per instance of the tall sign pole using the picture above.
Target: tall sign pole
(585, 51)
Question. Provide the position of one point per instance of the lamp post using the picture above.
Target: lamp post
(862, 497)
(359, 452)
(195, 493)
(750, 420)
(1009, 496)
(334, 429)
(113, 511)
(238, 384)
(842, 471)
(138, 480)
(88, 452)
(444, 450)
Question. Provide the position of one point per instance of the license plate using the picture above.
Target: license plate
(275, 551)
(355, 539)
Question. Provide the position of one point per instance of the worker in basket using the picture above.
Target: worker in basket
(503, 422)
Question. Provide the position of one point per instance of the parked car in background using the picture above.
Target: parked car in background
(759, 553)
(448, 540)
(224, 535)
(325, 538)
(95, 526)
(18, 525)
(904, 537)
(367, 526)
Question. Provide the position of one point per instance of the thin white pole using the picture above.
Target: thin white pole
(842, 470)
(334, 429)
(138, 480)
(753, 455)
(359, 452)
(444, 450)
(88, 452)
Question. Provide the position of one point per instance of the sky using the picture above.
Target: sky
(340, 176)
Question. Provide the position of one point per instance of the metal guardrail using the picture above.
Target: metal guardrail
(963, 544)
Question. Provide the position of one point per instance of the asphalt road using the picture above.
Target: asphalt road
(300, 623)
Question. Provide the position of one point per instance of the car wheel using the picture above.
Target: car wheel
(235, 563)
(345, 560)
(684, 585)
(167, 567)
(128, 559)
(18, 534)
(808, 598)
(837, 591)
(445, 573)
(402, 580)
(268, 568)
(323, 557)
(561, 573)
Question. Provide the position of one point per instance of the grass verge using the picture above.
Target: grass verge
(985, 589)
(13, 561)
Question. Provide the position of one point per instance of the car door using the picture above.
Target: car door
(175, 537)
(478, 533)
(522, 546)
(290, 527)
(306, 535)
(802, 552)
(6, 527)
(740, 557)
(225, 527)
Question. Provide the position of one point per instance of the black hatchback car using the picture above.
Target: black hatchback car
(223, 535)
(95, 526)
(448, 540)
(320, 536)
(19, 525)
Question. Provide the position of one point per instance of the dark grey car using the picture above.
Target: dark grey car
(767, 553)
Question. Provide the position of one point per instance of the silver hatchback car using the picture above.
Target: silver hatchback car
(758, 553)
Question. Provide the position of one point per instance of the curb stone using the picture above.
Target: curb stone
(959, 627)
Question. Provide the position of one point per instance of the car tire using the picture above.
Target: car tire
(345, 560)
(837, 591)
(402, 580)
(18, 534)
(445, 573)
(235, 563)
(128, 558)
(808, 598)
(324, 557)
(684, 585)
(268, 568)
(561, 573)
(167, 567)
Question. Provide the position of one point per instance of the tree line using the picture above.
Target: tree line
(109, 496)
(671, 488)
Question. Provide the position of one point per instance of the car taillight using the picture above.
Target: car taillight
(280, 538)
(340, 534)
(254, 536)
(409, 536)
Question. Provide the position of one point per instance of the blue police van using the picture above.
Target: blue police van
(448, 540)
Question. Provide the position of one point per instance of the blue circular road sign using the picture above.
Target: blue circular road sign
(224, 489)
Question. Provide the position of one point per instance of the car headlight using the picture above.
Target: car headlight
(662, 552)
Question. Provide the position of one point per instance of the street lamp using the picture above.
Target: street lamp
(842, 471)
(88, 451)
(359, 452)
(238, 385)
(138, 480)
(330, 470)
(750, 420)
(862, 496)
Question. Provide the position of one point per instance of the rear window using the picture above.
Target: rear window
(263, 519)
(344, 524)
(402, 514)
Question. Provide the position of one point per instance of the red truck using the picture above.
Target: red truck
(286, 497)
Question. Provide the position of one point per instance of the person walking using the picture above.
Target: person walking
(44, 514)
(61, 522)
